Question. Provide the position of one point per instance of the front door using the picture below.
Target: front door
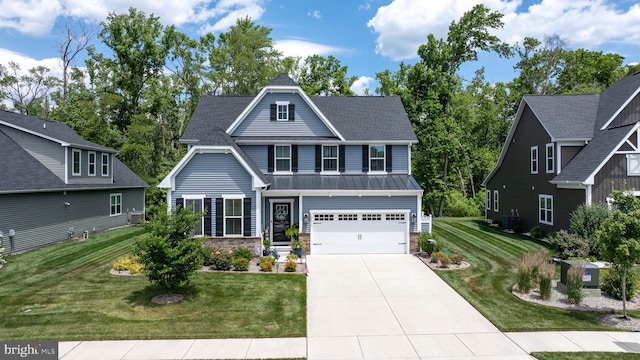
(281, 220)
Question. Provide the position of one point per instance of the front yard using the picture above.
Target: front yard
(65, 292)
(487, 283)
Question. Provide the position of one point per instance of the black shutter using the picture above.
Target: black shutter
(179, 204)
(270, 155)
(207, 216)
(219, 217)
(246, 219)
(294, 158)
(365, 158)
(274, 112)
(341, 157)
(292, 112)
(388, 158)
(318, 158)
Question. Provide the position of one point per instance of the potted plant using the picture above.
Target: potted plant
(267, 244)
(297, 247)
(296, 244)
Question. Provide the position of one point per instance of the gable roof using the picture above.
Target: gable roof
(615, 98)
(282, 80)
(565, 116)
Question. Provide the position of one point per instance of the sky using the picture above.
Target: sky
(366, 36)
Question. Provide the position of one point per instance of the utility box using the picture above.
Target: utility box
(590, 277)
(510, 222)
(137, 218)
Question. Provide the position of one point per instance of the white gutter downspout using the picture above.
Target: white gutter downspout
(588, 196)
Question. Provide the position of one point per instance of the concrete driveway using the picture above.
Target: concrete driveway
(393, 307)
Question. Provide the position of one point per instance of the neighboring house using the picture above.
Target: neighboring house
(55, 185)
(566, 150)
(340, 167)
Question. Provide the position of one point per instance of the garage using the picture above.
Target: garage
(359, 232)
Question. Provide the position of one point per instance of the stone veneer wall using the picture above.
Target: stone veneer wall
(233, 242)
(306, 240)
(413, 243)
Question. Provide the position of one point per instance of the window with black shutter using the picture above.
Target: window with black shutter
(365, 158)
(207, 216)
(389, 158)
(294, 158)
(247, 216)
(273, 112)
(270, 158)
(219, 217)
(341, 154)
(318, 158)
(292, 112)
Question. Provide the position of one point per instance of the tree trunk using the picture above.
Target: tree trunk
(624, 292)
(462, 187)
(445, 172)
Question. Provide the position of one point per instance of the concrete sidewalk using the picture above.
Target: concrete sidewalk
(372, 307)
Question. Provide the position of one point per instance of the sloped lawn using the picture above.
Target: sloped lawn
(65, 292)
(487, 283)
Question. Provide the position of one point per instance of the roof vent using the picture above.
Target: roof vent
(44, 125)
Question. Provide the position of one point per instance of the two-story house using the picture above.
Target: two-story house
(566, 150)
(55, 185)
(339, 167)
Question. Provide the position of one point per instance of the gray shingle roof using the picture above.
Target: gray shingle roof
(343, 182)
(282, 80)
(51, 129)
(612, 98)
(565, 116)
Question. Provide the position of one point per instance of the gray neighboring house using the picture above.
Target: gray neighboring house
(54, 184)
(566, 150)
(340, 167)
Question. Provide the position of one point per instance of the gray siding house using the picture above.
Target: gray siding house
(339, 167)
(566, 150)
(55, 185)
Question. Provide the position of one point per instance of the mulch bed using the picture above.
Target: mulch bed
(434, 266)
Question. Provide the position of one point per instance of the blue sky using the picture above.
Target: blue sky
(367, 36)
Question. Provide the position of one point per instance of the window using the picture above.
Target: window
(105, 164)
(376, 158)
(330, 158)
(394, 217)
(91, 169)
(232, 217)
(75, 160)
(283, 158)
(633, 164)
(550, 158)
(347, 217)
(371, 217)
(196, 205)
(546, 209)
(322, 217)
(534, 159)
(496, 200)
(116, 204)
(282, 111)
(487, 201)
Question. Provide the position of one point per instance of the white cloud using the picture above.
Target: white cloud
(33, 17)
(315, 14)
(303, 48)
(403, 25)
(26, 63)
(363, 82)
(366, 6)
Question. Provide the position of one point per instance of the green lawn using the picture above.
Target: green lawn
(65, 292)
(487, 283)
(585, 356)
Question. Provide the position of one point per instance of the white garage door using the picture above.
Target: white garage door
(359, 232)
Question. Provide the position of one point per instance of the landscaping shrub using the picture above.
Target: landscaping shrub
(221, 259)
(456, 259)
(438, 255)
(425, 245)
(266, 263)
(584, 222)
(518, 229)
(208, 255)
(290, 266)
(570, 245)
(528, 269)
(240, 264)
(241, 252)
(545, 275)
(612, 282)
(575, 295)
(445, 262)
(456, 205)
(537, 232)
(128, 263)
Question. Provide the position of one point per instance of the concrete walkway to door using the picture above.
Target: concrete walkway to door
(393, 307)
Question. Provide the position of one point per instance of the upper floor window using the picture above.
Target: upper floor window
(115, 204)
(283, 158)
(376, 158)
(534, 159)
(545, 209)
(633, 164)
(330, 158)
(91, 169)
(550, 158)
(105, 164)
(75, 161)
(283, 110)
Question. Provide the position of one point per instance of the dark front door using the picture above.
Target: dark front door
(281, 218)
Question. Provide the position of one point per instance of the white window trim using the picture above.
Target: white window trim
(337, 158)
(545, 221)
(110, 197)
(275, 161)
(73, 162)
(550, 159)
(103, 163)
(224, 215)
(630, 157)
(496, 201)
(195, 197)
(286, 105)
(534, 149)
(487, 201)
(95, 163)
(384, 160)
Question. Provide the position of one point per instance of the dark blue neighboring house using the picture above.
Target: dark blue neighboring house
(55, 185)
(567, 150)
(339, 167)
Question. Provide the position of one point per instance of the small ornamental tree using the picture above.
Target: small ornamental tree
(170, 254)
(619, 236)
(585, 220)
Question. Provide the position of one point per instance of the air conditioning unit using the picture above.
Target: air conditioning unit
(137, 218)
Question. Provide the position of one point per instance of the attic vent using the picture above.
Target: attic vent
(44, 125)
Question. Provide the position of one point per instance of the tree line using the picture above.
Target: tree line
(139, 96)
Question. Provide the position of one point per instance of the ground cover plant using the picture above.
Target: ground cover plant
(65, 292)
(488, 282)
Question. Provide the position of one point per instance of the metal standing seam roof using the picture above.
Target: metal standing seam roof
(343, 182)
